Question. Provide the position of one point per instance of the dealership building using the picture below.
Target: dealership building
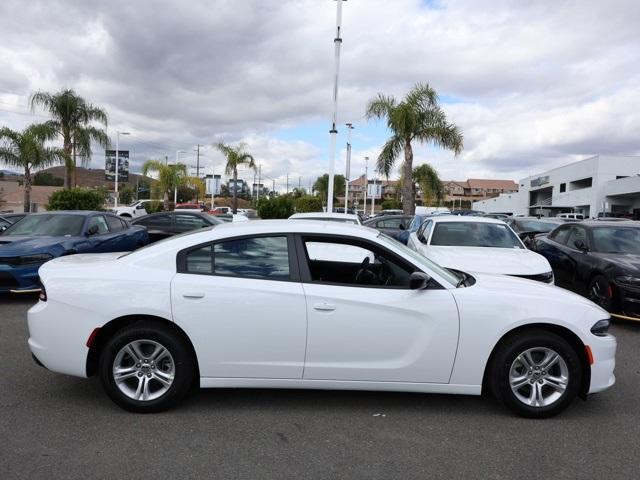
(597, 186)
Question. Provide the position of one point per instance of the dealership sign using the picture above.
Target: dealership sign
(110, 165)
(538, 182)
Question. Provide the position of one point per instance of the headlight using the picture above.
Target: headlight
(628, 280)
(38, 258)
(601, 327)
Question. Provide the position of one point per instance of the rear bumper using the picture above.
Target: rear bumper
(604, 363)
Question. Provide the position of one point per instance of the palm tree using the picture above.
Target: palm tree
(429, 182)
(417, 117)
(170, 177)
(26, 150)
(236, 156)
(321, 186)
(72, 118)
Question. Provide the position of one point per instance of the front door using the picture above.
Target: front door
(241, 303)
(365, 324)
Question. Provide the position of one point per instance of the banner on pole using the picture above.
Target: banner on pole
(374, 190)
(110, 165)
(213, 183)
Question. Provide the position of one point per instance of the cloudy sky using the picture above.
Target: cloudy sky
(532, 84)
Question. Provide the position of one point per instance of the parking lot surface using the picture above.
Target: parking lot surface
(53, 426)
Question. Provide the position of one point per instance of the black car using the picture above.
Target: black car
(14, 217)
(599, 260)
(529, 228)
(392, 225)
(166, 224)
(4, 224)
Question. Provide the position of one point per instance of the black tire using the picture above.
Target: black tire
(600, 292)
(181, 358)
(516, 345)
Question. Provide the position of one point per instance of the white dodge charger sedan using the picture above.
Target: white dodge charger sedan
(478, 244)
(260, 305)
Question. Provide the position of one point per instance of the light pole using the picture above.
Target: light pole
(337, 41)
(118, 133)
(348, 169)
(373, 192)
(366, 184)
(175, 189)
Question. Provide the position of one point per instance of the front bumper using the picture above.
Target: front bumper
(628, 299)
(604, 362)
(16, 278)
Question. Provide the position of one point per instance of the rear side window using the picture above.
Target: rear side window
(259, 257)
(115, 225)
(190, 222)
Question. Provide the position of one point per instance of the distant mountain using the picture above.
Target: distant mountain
(10, 173)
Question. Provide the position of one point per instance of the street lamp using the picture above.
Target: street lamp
(118, 133)
(347, 172)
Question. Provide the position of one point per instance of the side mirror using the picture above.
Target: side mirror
(92, 230)
(419, 281)
(580, 245)
(401, 227)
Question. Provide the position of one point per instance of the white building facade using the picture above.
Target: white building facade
(597, 186)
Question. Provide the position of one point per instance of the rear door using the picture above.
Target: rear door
(365, 324)
(242, 304)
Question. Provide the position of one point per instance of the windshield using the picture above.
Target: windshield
(472, 234)
(616, 240)
(53, 225)
(535, 226)
(419, 259)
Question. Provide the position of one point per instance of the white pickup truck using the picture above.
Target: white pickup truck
(135, 210)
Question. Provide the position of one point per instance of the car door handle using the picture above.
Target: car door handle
(324, 307)
(193, 295)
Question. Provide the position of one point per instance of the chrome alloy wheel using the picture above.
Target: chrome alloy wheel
(538, 377)
(143, 370)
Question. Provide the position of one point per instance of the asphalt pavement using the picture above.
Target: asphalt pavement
(53, 426)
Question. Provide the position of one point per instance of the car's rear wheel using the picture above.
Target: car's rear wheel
(536, 373)
(601, 292)
(146, 368)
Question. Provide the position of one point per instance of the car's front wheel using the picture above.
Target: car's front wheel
(536, 373)
(146, 368)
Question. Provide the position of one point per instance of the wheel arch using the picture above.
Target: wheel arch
(112, 327)
(573, 340)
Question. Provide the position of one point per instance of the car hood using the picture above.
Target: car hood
(18, 245)
(627, 261)
(507, 261)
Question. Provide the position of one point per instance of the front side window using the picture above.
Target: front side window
(115, 225)
(471, 234)
(100, 222)
(575, 235)
(259, 257)
(390, 223)
(560, 235)
(345, 262)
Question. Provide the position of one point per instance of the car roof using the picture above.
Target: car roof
(349, 216)
(257, 227)
(605, 223)
(543, 219)
(465, 218)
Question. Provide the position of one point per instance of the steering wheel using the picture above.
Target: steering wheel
(364, 275)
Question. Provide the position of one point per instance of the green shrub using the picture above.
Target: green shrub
(125, 195)
(47, 179)
(76, 199)
(391, 204)
(308, 203)
(154, 207)
(278, 207)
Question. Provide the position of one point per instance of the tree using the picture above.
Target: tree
(321, 186)
(47, 179)
(429, 182)
(72, 118)
(171, 177)
(308, 203)
(277, 207)
(417, 117)
(77, 199)
(26, 150)
(236, 156)
(126, 194)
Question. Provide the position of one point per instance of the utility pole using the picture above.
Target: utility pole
(287, 184)
(347, 169)
(299, 184)
(337, 41)
(259, 172)
(374, 192)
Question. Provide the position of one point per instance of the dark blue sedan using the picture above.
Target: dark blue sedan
(40, 237)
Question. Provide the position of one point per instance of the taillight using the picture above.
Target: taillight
(43, 294)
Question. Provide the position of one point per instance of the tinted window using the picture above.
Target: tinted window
(99, 222)
(575, 234)
(115, 225)
(616, 240)
(262, 257)
(190, 222)
(560, 235)
(160, 220)
(55, 225)
(425, 231)
(535, 226)
(390, 223)
(416, 222)
(200, 260)
(468, 234)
